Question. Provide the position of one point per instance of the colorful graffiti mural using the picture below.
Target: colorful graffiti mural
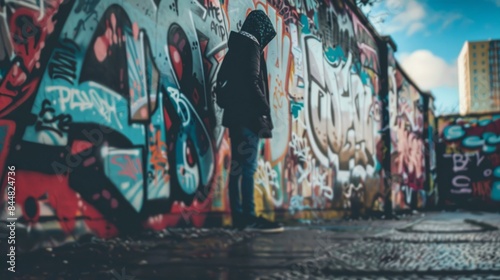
(407, 141)
(469, 161)
(430, 153)
(107, 112)
(114, 119)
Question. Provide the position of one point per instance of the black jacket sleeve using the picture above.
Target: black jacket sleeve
(254, 80)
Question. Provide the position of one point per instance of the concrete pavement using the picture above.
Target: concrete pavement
(441, 245)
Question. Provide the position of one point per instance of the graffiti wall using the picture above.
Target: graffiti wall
(107, 114)
(469, 161)
(431, 187)
(115, 128)
(406, 106)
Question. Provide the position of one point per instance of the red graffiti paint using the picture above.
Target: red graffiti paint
(79, 146)
(176, 61)
(36, 190)
(193, 214)
(481, 189)
(28, 32)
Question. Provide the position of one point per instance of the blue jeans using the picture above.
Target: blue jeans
(244, 149)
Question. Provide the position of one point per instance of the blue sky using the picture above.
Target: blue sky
(430, 34)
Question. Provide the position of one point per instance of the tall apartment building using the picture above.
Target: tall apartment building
(479, 77)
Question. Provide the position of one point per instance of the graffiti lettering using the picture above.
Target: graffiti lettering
(471, 143)
(49, 121)
(267, 178)
(299, 148)
(122, 95)
(63, 64)
(481, 189)
(72, 98)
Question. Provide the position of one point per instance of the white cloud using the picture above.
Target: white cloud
(414, 11)
(414, 27)
(394, 4)
(412, 16)
(409, 16)
(496, 2)
(429, 71)
(450, 18)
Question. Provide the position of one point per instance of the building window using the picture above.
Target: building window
(474, 46)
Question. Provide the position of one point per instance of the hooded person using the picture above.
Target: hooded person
(244, 72)
(247, 114)
(259, 27)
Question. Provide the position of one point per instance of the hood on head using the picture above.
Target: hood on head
(259, 25)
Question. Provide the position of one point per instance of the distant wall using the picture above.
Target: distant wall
(406, 109)
(469, 161)
(430, 123)
(107, 114)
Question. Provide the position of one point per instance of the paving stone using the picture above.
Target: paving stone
(430, 246)
(435, 247)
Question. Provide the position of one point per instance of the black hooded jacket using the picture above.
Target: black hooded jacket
(244, 69)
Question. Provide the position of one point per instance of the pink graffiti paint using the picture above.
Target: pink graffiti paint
(114, 203)
(112, 36)
(135, 30)
(106, 194)
(79, 146)
(176, 61)
(89, 161)
(129, 167)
